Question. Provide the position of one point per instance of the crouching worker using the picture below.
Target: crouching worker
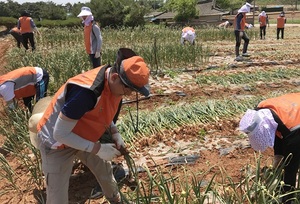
(25, 83)
(16, 33)
(275, 123)
(188, 34)
(78, 115)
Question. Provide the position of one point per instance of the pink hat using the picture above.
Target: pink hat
(260, 127)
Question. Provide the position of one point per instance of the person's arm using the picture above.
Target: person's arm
(98, 36)
(19, 24)
(32, 24)
(239, 21)
(71, 112)
(8, 93)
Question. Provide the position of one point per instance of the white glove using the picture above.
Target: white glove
(241, 33)
(108, 152)
(118, 140)
(97, 54)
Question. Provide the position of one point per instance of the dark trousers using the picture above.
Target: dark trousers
(278, 32)
(262, 31)
(286, 146)
(18, 37)
(95, 61)
(28, 37)
(238, 40)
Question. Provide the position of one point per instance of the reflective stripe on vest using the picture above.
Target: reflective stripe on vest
(287, 108)
(92, 124)
(24, 79)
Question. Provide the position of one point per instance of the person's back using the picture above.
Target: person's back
(27, 28)
(281, 20)
(188, 34)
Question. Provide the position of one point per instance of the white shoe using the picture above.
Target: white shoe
(245, 54)
(239, 58)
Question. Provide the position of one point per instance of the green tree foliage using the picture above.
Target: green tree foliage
(10, 9)
(116, 13)
(185, 9)
(112, 13)
(231, 4)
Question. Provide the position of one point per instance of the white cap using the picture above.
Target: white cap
(85, 11)
(260, 127)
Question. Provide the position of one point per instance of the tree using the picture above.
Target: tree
(185, 9)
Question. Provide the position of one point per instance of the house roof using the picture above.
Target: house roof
(205, 7)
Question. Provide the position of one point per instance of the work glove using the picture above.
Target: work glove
(118, 140)
(108, 152)
(241, 33)
(277, 160)
(97, 54)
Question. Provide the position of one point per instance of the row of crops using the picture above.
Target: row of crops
(61, 52)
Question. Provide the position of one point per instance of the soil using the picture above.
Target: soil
(221, 150)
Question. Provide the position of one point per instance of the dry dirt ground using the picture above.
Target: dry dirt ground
(222, 148)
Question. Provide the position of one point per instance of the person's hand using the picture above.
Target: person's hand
(241, 33)
(277, 160)
(118, 140)
(97, 54)
(108, 152)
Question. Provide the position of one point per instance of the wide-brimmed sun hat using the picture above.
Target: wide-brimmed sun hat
(260, 127)
(85, 11)
(134, 73)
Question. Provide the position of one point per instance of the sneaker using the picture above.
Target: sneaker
(239, 58)
(245, 54)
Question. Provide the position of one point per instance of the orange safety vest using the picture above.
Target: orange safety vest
(92, 124)
(263, 20)
(280, 22)
(25, 24)
(24, 79)
(186, 29)
(88, 38)
(243, 22)
(287, 108)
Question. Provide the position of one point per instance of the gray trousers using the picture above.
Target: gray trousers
(57, 166)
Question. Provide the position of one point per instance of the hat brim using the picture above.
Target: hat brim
(145, 90)
(84, 13)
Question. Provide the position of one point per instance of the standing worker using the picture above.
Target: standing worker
(275, 122)
(78, 115)
(92, 36)
(15, 32)
(25, 83)
(263, 21)
(239, 31)
(27, 28)
(188, 34)
(281, 21)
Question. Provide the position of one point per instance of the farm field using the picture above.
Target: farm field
(218, 82)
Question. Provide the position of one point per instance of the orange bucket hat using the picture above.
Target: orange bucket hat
(134, 73)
